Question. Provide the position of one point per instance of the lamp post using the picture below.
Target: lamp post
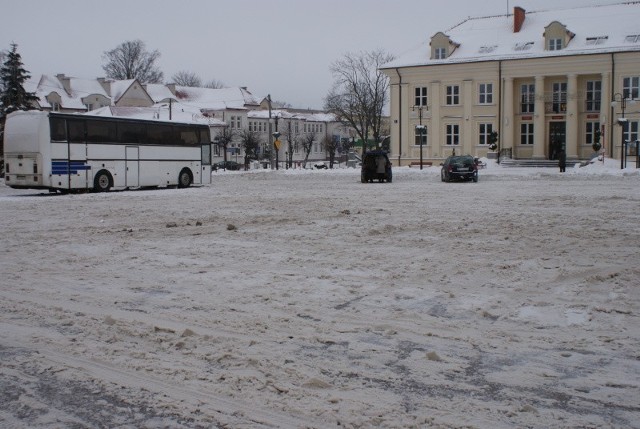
(622, 121)
(276, 142)
(420, 128)
(619, 98)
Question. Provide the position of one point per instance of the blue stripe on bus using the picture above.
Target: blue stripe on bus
(68, 167)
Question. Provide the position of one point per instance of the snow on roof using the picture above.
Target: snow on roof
(179, 113)
(217, 99)
(310, 117)
(159, 92)
(48, 84)
(119, 87)
(597, 29)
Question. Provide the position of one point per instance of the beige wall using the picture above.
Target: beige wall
(504, 113)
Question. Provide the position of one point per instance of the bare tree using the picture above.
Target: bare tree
(186, 78)
(131, 60)
(359, 93)
(289, 133)
(215, 84)
(307, 144)
(331, 145)
(224, 138)
(250, 142)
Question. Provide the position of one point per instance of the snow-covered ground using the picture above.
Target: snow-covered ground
(305, 299)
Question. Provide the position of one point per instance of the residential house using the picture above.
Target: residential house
(544, 81)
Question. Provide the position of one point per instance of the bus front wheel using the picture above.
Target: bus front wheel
(102, 182)
(184, 179)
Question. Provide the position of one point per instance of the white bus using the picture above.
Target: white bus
(72, 152)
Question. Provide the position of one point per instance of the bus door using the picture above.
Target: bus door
(206, 164)
(77, 166)
(132, 166)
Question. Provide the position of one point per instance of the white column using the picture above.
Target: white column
(539, 122)
(571, 145)
(507, 133)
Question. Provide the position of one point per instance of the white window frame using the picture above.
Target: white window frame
(485, 93)
(421, 97)
(526, 133)
(452, 134)
(425, 139)
(631, 87)
(484, 132)
(590, 129)
(593, 95)
(555, 44)
(452, 94)
(440, 53)
(527, 98)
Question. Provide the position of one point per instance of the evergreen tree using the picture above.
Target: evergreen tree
(12, 78)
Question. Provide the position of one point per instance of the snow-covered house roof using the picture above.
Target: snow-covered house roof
(160, 93)
(179, 113)
(595, 29)
(217, 99)
(286, 114)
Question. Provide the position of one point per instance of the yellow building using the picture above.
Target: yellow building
(543, 81)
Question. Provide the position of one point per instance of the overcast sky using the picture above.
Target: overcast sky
(278, 47)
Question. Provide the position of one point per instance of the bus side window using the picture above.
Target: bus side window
(76, 131)
(189, 137)
(101, 131)
(58, 130)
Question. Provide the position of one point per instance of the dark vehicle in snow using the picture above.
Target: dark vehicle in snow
(226, 165)
(376, 166)
(460, 167)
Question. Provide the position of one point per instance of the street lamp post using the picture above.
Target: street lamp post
(420, 128)
(276, 142)
(621, 121)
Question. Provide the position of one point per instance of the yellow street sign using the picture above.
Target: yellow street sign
(277, 144)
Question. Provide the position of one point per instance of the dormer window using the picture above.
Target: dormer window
(555, 44)
(557, 36)
(442, 46)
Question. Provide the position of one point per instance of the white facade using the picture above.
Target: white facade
(544, 81)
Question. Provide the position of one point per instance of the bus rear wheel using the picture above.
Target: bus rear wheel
(184, 179)
(102, 182)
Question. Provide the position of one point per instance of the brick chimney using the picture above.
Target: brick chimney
(518, 18)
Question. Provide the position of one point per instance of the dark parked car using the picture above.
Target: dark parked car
(461, 167)
(226, 165)
(376, 166)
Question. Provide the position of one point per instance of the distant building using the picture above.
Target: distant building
(222, 108)
(544, 81)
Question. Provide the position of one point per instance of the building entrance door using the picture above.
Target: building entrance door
(557, 139)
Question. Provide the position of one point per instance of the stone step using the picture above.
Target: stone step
(508, 162)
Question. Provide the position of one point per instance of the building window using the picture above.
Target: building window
(484, 132)
(440, 53)
(555, 44)
(453, 134)
(525, 46)
(453, 95)
(526, 134)
(599, 40)
(485, 92)
(418, 134)
(527, 98)
(631, 132)
(559, 93)
(235, 122)
(630, 86)
(590, 134)
(421, 96)
(594, 94)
